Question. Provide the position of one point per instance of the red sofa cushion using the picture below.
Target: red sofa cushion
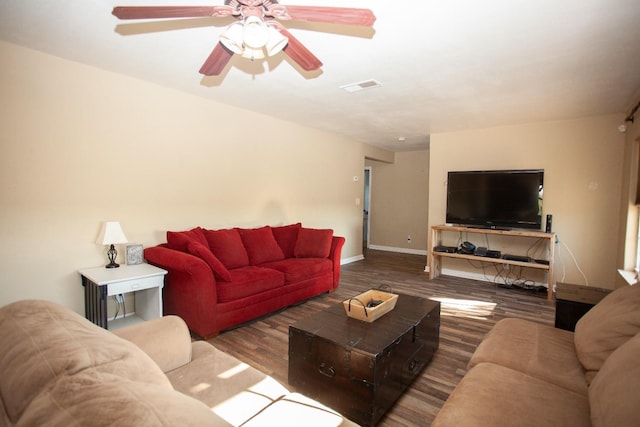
(313, 243)
(260, 245)
(247, 281)
(202, 251)
(227, 246)
(179, 240)
(298, 269)
(286, 236)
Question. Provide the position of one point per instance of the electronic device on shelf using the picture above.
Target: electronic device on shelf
(487, 253)
(516, 258)
(498, 199)
(467, 248)
(480, 251)
(446, 249)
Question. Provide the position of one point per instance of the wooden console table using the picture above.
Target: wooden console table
(436, 240)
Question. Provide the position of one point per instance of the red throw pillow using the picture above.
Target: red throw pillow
(203, 252)
(178, 240)
(313, 243)
(286, 236)
(260, 244)
(227, 246)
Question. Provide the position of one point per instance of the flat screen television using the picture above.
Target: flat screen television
(499, 199)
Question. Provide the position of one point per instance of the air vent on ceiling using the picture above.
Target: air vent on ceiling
(367, 84)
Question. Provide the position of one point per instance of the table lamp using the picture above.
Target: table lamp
(111, 234)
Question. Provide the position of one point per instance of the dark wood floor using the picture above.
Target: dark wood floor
(468, 310)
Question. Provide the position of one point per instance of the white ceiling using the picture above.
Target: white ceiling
(444, 65)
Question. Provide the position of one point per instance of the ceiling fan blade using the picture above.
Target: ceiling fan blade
(216, 61)
(300, 54)
(332, 15)
(156, 12)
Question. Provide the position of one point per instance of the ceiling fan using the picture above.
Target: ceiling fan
(258, 30)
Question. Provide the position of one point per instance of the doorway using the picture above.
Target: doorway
(366, 211)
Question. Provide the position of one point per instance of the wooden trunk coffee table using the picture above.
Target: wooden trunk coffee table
(358, 368)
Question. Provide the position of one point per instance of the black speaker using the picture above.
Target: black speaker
(548, 226)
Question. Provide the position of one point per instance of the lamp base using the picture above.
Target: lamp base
(112, 254)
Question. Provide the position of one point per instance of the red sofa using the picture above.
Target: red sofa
(218, 279)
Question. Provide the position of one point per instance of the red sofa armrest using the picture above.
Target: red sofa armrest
(335, 255)
(190, 288)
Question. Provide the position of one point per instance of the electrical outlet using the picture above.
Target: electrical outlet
(120, 298)
(409, 238)
(506, 267)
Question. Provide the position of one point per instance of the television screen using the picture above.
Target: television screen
(495, 199)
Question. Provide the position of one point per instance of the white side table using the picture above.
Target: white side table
(99, 283)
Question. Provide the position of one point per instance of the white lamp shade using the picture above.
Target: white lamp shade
(255, 32)
(111, 234)
(232, 38)
(277, 42)
(251, 53)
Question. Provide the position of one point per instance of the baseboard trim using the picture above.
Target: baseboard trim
(349, 260)
(401, 250)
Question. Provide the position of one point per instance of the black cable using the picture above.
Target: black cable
(115, 300)
(535, 247)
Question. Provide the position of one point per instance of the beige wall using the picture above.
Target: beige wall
(583, 162)
(79, 146)
(399, 202)
(375, 153)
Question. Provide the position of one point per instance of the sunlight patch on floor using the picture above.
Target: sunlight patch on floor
(471, 309)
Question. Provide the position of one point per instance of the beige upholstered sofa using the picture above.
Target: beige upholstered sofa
(528, 374)
(58, 369)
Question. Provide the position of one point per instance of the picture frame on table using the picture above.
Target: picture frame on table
(135, 254)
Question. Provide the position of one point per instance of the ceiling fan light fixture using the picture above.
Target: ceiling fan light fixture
(277, 42)
(255, 32)
(232, 38)
(251, 53)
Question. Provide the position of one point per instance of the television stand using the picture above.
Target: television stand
(481, 227)
(436, 257)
